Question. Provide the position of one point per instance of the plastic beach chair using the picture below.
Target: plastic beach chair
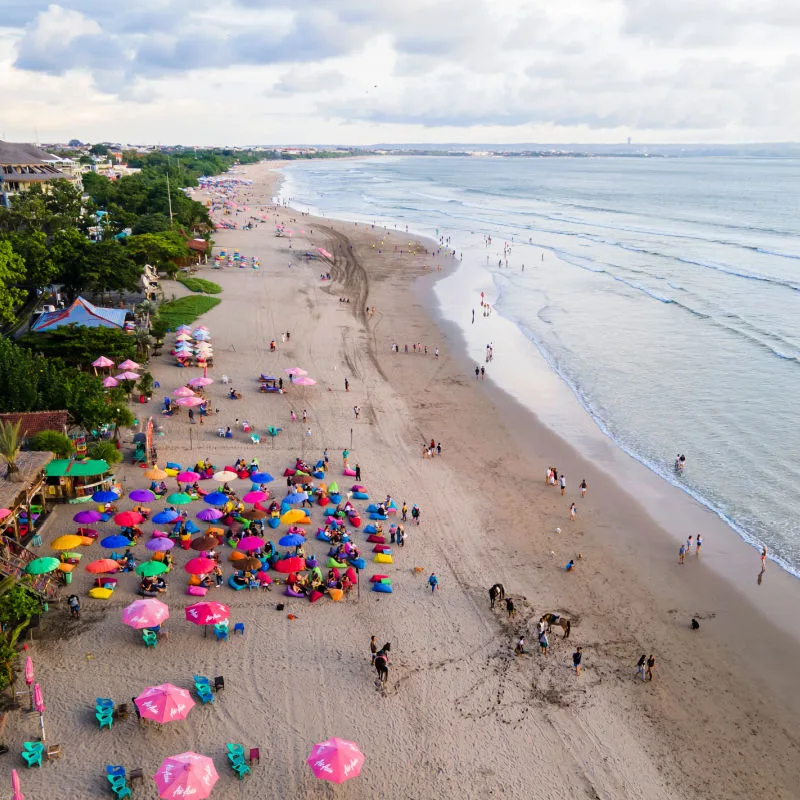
(150, 638)
(105, 718)
(32, 752)
(255, 438)
(239, 628)
(221, 632)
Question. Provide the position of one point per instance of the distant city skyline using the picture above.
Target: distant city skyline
(361, 72)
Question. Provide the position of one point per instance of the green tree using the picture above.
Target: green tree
(78, 345)
(12, 272)
(32, 246)
(52, 441)
(152, 223)
(158, 249)
(10, 443)
(17, 607)
(98, 150)
(105, 451)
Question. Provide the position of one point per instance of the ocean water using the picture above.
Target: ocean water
(664, 292)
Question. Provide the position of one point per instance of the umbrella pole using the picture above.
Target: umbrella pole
(41, 725)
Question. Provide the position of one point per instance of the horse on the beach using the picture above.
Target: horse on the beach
(497, 592)
(557, 619)
(382, 663)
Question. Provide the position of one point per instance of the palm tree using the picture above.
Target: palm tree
(148, 307)
(10, 443)
(142, 338)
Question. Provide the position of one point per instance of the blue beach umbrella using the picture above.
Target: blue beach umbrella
(291, 540)
(295, 497)
(105, 496)
(261, 477)
(117, 540)
(216, 499)
(166, 516)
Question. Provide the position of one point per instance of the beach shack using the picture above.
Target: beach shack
(76, 481)
(22, 501)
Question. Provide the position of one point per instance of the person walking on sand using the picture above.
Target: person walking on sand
(293, 416)
(305, 415)
(562, 482)
(640, 665)
(651, 665)
(577, 658)
(584, 487)
(543, 642)
(483, 373)
(682, 554)
(415, 513)
(356, 411)
(433, 582)
(477, 372)
(358, 472)
(764, 557)
(689, 546)
(404, 512)
(572, 512)
(373, 648)
(519, 650)
(346, 385)
(698, 544)
(510, 607)
(345, 456)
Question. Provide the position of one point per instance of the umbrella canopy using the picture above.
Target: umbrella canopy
(295, 371)
(189, 402)
(183, 391)
(145, 613)
(28, 671)
(207, 612)
(224, 476)
(247, 562)
(127, 518)
(128, 364)
(164, 703)
(288, 565)
(250, 543)
(179, 499)
(38, 700)
(209, 514)
(186, 775)
(201, 381)
(188, 476)
(300, 478)
(142, 496)
(105, 496)
(335, 760)
(199, 565)
(291, 540)
(102, 565)
(127, 376)
(255, 497)
(183, 337)
(166, 516)
(261, 477)
(294, 497)
(68, 542)
(155, 473)
(205, 542)
(159, 544)
(294, 515)
(149, 569)
(304, 380)
(5, 512)
(39, 566)
(117, 540)
(216, 499)
(254, 513)
(109, 382)
(103, 362)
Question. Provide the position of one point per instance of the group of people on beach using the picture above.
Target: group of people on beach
(416, 348)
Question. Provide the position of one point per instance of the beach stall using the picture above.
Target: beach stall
(22, 502)
(76, 481)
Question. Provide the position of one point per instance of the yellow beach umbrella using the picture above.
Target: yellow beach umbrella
(294, 515)
(68, 542)
(155, 473)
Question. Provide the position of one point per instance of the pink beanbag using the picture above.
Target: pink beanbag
(377, 578)
(350, 575)
(375, 539)
(379, 548)
(314, 596)
(196, 591)
(350, 473)
(289, 472)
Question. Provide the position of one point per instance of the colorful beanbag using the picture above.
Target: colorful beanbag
(196, 591)
(351, 473)
(378, 516)
(376, 539)
(289, 593)
(336, 498)
(370, 529)
(377, 578)
(273, 522)
(371, 508)
(379, 548)
(289, 472)
(351, 574)
(336, 594)
(319, 475)
(355, 521)
(359, 563)
(332, 562)
(314, 596)
(360, 495)
(323, 500)
(99, 593)
(323, 537)
(384, 558)
(383, 588)
(357, 487)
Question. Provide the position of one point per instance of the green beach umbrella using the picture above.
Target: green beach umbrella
(149, 569)
(179, 499)
(39, 566)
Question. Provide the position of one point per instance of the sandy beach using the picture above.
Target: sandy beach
(461, 715)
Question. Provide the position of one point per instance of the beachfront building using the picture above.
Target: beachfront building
(81, 312)
(22, 165)
(76, 481)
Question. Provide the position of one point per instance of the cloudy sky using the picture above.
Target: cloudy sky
(367, 71)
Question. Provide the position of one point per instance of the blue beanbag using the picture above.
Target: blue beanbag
(383, 588)
(336, 498)
(319, 475)
(378, 516)
(273, 522)
(370, 529)
(372, 508)
(232, 583)
(358, 563)
(360, 495)
(323, 537)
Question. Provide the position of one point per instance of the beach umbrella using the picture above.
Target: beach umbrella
(155, 473)
(188, 476)
(224, 476)
(102, 565)
(28, 671)
(216, 498)
(40, 566)
(5, 512)
(247, 563)
(128, 364)
(250, 543)
(142, 496)
(335, 760)
(299, 478)
(201, 381)
(294, 497)
(179, 499)
(128, 518)
(295, 371)
(254, 513)
(255, 497)
(103, 362)
(189, 401)
(289, 565)
(117, 540)
(166, 516)
(109, 382)
(105, 496)
(127, 376)
(184, 328)
(207, 612)
(164, 703)
(304, 380)
(183, 337)
(209, 514)
(16, 786)
(67, 542)
(261, 477)
(159, 544)
(205, 542)
(199, 565)
(293, 515)
(291, 540)
(183, 391)
(149, 569)
(38, 704)
(186, 775)
(87, 516)
(145, 613)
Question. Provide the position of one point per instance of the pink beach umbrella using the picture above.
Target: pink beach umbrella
(16, 787)
(128, 364)
(38, 704)
(207, 612)
(190, 401)
(250, 543)
(183, 337)
(255, 497)
(164, 703)
(295, 371)
(335, 760)
(201, 381)
(186, 775)
(304, 380)
(145, 613)
(325, 253)
(102, 362)
(110, 383)
(184, 391)
(187, 476)
(5, 512)
(28, 671)
(127, 376)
